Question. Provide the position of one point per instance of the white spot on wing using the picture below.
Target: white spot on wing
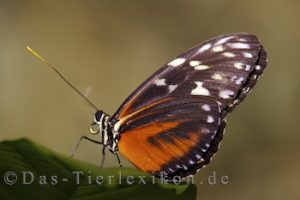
(246, 90)
(201, 67)
(228, 55)
(200, 90)
(170, 169)
(235, 102)
(176, 62)
(238, 45)
(204, 48)
(160, 82)
(191, 162)
(210, 119)
(239, 81)
(225, 94)
(194, 63)
(197, 65)
(218, 48)
(238, 65)
(205, 131)
(206, 107)
(247, 55)
(172, 88)
(217, 76)
(258, 67)
(234, 77)
(248, 67)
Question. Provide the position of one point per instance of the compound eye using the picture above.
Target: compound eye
(94, 128)
(98, 116)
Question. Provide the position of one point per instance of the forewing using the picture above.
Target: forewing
(225, 68)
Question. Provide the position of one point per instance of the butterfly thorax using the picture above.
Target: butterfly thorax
(108, 135)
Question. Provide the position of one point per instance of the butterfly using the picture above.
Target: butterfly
(174, 121)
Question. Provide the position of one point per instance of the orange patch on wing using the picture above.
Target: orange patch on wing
(134, 145)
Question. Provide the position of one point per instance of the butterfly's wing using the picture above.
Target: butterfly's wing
(219, 73)
(175, 136)
(225, 68)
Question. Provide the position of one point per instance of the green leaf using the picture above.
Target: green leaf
(43, 174)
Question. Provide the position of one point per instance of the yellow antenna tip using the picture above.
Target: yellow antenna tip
(36, 54)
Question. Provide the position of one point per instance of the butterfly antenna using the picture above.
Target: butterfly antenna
(60, 75)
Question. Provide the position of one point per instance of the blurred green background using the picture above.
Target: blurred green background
(107, 48)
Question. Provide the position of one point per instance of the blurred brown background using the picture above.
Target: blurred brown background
(110, 47)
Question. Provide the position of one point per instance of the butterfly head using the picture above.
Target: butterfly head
(100, 123)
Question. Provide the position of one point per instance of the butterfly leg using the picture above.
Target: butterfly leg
(103, 157)
(79, 141)
(118, 158)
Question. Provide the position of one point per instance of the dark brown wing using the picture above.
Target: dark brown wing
(225, 68)
(164, 122)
